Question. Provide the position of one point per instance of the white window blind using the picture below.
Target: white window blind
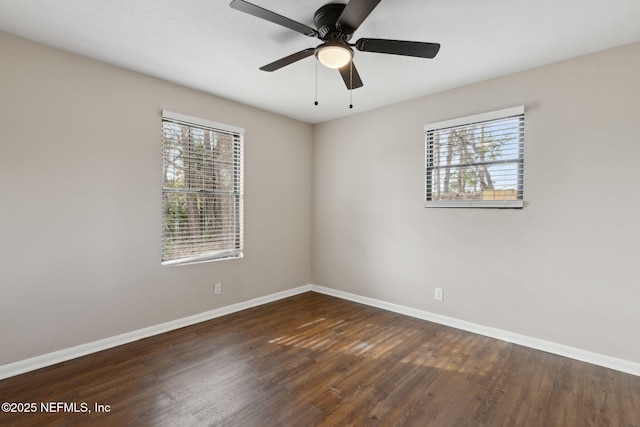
(476, 161)
(202, 192)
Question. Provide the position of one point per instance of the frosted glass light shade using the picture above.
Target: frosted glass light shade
(334, 56)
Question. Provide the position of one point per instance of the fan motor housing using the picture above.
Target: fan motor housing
(326, 22)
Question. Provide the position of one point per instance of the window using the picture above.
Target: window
(476, 161)
(202, 190)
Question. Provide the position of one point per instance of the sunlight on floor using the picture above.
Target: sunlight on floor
(320, 335)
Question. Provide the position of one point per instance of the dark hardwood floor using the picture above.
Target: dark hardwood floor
(317, 360)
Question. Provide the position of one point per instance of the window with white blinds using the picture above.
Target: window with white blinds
(476, 161)
(202, 190)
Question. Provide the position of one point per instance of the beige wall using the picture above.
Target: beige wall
(563, 269)
(80, 177)
(80, 213)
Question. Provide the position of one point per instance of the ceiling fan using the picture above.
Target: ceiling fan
(335, 24)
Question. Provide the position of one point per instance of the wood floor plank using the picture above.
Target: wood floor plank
(315, 360)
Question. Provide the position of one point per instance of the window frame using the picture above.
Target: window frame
(237, 133)
(429, 129)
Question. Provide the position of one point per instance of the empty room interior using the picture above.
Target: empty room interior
(189, 239)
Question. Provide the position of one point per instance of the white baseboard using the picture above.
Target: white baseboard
(20, 367)
(535, 343)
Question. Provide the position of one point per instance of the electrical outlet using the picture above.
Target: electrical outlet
(217, 289)
(439, 294)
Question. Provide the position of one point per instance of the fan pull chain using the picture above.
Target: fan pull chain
(316, 102)
(351, 84)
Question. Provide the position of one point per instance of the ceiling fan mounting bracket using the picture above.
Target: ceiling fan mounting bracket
(326, 21)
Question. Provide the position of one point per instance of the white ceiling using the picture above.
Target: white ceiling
(206, 45)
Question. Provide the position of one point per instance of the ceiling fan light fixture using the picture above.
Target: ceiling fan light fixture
(335, 25)
(334, 55)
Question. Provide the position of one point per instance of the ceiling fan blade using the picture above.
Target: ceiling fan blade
(349, 78)
(399, 47)
(267, 15)
(276, 65)
(355, 13)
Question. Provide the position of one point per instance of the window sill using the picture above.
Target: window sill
(496, 204)
(220, 256)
